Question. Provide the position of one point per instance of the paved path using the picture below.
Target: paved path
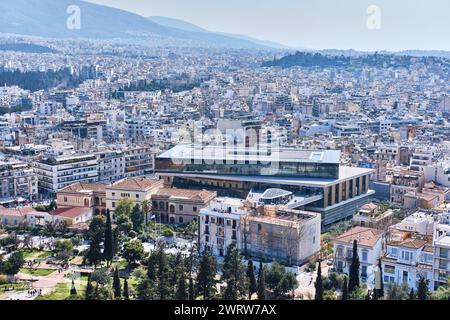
(48, 283)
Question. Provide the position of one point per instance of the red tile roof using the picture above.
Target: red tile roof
(364, 236)
(203, 195)
(138, 184)
(71, 212)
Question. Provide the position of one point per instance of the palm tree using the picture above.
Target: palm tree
(146, 207)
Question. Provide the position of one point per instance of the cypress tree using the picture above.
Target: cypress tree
(126, 292)
(234, 274)
(319, 284)
(151, 270)
(137, 218)
(345, 289)
(261, 283)
(411, 294)
(182, 293)
(89, 289)
(353, 280)
(108, 251)
(116, 284)
(73, 290)
(191, 289)
(251, 279)
(422, 290)
(381, 293)
(206, 275)
(116, 236)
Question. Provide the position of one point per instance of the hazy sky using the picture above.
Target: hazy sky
(318, 24)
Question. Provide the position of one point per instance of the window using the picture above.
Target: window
(137, 196)
(394, 252)
(365, 255)
(405, 277)
(180, 220)
(113, 204)
(406, 255)
(194, 209)
(259, 227)
(181, 207)
(389, 269)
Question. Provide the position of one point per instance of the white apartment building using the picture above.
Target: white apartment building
(406, 260)
(220, 223)
(370, 247)
(139, 161)
(55, 173)
(17, 179)
(111, 165)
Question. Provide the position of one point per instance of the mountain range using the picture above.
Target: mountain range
(48, 19)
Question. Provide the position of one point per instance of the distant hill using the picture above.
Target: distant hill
(48, 19)
(187, 26)
(307, 59)
(176, 23)
(26, 47)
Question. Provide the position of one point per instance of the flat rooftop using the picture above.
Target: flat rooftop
(188, 152)
(345, 173)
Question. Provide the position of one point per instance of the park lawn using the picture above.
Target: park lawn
(84, 278)
(30, 254)
(17, 286)
(62, 291)
(37, 272)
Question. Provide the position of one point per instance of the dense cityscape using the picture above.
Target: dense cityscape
(132, 171)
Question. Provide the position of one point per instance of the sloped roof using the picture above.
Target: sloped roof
(202, 195)
(138, 184)
(79, 186)
(364, 236)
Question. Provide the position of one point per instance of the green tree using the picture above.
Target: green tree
(116, 241)
(206, 282)
(163, 287)
(353, 280)
(411, 294)
(319, 284)
(116, 284)
(345, 290)
(108, 250)
(279, 281)
(89, 289)
(14, 263)
(234, 274)
(397, 292)
(380, 292)
(137, 218)
(182, 290)
(261, 282)
(133, 251)
(126, 293)
(251, 279)
(124, 207)
(422, 290)
(191, 289)
(442, 293)
(73, 290)
(151, 266)
(63, 248)
(146, 208)
(95, 235)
